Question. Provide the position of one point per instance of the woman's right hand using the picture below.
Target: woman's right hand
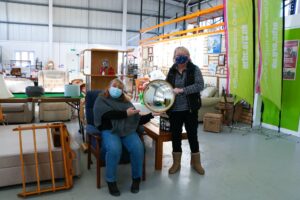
(132, 111)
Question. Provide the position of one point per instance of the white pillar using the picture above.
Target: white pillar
(124, 26)
(257, 110)
(297, 11)
(50, 30)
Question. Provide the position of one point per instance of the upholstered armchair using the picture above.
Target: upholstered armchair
(209, 99)
(54, 81)
(94, 139)
(15, 113)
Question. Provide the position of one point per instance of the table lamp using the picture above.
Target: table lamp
(4, 92)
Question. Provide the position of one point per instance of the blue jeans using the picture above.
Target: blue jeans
(112, 146)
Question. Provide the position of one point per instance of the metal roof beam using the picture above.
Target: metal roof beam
(81, 8)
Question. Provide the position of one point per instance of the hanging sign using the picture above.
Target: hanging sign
(270, 29)
(239, 48)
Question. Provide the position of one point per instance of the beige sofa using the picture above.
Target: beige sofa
(54, 81)
(210, 98)
(17, 112)
(10, 166)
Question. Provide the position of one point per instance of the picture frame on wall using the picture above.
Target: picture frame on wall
(221, 60)
(150, 50)
(214, 43)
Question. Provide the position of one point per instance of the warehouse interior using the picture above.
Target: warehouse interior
(59, 57)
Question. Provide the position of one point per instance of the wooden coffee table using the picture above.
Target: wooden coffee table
(153, 131)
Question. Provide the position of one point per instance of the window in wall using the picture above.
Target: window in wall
(290, 7)
(22, 58)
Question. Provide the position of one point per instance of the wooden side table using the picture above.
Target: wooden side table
(153, 131)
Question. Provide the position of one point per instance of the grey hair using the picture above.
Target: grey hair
(181, 49)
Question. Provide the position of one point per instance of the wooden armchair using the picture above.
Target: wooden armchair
(94, 140)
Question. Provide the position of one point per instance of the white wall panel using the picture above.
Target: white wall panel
(172, 10)
(71, 35)
(77, 3)
(105, 37)
(149, 21)
(41, 49)
(208, 5)
(3, 11)
(35, 1)
(133, 22)
(73, 17)
(27, 13)
(104, 4)
(150, 7)
(133, 39)
(3, 31)
(104, 19)
(27, 33)
(134, 5)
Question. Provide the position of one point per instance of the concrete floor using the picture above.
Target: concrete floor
(238, 167)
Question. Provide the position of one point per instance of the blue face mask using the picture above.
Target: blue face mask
(181, 59)
(115, 92)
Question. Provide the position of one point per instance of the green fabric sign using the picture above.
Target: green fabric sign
(270, 39)
(239, 47)
(290, 111)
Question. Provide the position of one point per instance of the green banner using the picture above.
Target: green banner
(270, 40)
(239, 47)
(290, 111)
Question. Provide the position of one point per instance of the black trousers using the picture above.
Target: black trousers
(190, 121)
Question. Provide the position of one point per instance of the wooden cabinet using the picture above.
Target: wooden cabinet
(93, 61)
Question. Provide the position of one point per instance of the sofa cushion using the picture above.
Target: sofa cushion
(13, 107)
(209, 92)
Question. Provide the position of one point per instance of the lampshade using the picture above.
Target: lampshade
(4, 92)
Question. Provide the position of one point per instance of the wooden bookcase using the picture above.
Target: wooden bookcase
(92, 61)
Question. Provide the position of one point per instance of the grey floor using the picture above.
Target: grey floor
(239, 165)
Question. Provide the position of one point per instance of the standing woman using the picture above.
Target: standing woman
(187, 81)
(118, 120)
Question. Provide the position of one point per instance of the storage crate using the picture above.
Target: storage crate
(212, 122)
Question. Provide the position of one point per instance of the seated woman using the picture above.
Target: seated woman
(118, 120)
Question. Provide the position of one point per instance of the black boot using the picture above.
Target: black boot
(113, 188)
(135, 186)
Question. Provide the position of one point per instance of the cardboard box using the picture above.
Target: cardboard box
(212, 122)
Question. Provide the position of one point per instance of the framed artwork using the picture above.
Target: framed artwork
(214, 43)
(150, 50)
(222, 84)
(221, 60)
(145, 53)
(205, 59)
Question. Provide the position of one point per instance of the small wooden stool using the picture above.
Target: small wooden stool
(213, 122)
